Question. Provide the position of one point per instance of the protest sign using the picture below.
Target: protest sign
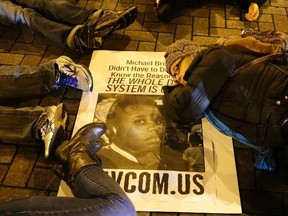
(161, 165)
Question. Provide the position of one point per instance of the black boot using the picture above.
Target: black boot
(79, 151)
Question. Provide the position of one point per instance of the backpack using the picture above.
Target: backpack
(272, 44)
(277, 38)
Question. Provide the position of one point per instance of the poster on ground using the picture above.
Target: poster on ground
(161, 165)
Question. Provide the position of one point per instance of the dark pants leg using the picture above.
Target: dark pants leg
(96, 194)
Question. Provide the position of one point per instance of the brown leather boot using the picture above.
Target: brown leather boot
(79, 151)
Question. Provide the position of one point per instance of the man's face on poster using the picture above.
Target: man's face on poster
(140, 129)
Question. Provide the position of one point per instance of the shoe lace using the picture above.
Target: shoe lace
(46, 128)
(78, 44)
(108, 15)
(111, 15)
(87, 38)
(67, 77)
(103, 33)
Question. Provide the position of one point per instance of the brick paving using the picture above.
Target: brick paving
(23, 169)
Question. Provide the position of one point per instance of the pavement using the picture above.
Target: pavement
(23, 168)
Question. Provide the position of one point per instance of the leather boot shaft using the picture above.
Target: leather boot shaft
(80, 150)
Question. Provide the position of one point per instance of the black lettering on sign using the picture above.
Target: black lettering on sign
(160, 185)
(127, 187)
(196, 179)
(144, 182)
(184, 185)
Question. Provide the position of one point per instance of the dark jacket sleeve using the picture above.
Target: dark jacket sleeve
(188, 103)
(244, 4)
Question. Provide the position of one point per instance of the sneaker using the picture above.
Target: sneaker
(50, 127)
(84, 36)
(101, 24)
(74, 75)
(110, 20)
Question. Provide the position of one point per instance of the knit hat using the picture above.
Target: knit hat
(179, 49)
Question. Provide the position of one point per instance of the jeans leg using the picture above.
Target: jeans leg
(17, 123)
(93, 182)
(21, 81)
(27, 18)
(103, 197)
(62, 11)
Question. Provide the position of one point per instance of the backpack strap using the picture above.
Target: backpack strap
(254, 62)
(279, 68)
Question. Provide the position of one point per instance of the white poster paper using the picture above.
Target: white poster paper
(162, 166)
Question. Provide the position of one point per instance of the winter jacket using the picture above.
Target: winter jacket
(252, 103)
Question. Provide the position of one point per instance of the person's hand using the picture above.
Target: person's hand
(253, 12)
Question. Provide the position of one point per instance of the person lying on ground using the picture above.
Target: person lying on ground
(250, 106)
(43, 125)
(95, 192)
(65, 23)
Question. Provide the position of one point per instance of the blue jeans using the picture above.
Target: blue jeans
(19, 82)
(49, 19)
(96, 194)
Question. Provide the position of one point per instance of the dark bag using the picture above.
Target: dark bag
(271, 43)
(280, 39)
